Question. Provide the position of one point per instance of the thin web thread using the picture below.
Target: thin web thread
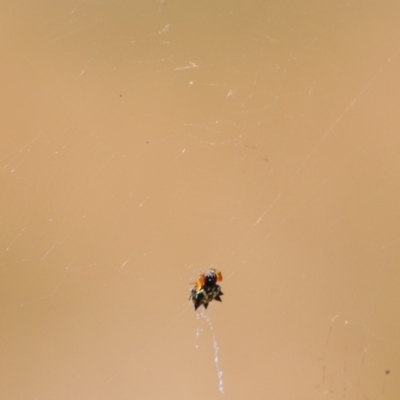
(216, 351)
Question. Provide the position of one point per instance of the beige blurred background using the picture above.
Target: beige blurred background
(144, 141)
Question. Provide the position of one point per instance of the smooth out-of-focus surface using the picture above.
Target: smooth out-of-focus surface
(144, 141)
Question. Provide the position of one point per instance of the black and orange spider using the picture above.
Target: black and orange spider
(206, 289)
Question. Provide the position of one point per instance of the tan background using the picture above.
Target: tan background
(143, 141)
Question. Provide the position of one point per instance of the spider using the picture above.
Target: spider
(206, 289)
